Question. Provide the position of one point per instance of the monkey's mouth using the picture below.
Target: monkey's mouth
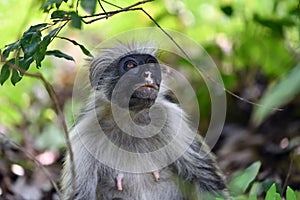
(146, 91)
(150, 86)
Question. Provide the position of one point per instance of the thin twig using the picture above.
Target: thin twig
(106, 14)
(202, 71)
(60, 28)
(132, 7)
(59, 113)
(120, 10)
(100, 4)
(31, 157)
(287, 176)
(77, 5)
(111, 4)
(110, 14)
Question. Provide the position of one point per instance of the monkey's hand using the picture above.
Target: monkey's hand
(198, 166)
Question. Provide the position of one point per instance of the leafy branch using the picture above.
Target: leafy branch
(32, 47)
(54, 99)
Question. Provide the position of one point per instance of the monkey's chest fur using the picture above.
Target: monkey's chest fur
(172, 148)
(139, 186)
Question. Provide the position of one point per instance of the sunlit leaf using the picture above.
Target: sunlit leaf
(272, 194)
(83, 49)
(290, 194)
(89, 5)
(59, 54)
(240, 181)
(278, 95)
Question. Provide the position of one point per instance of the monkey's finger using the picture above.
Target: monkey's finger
(156, 175)
(119, 181)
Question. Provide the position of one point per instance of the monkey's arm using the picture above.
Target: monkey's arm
(197, 167)
(86, 176)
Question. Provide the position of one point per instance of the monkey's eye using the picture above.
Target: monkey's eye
(130, 64)
(127, 63)
(151, 62)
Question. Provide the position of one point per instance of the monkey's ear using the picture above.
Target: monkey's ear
(171, 97)
(168, 94)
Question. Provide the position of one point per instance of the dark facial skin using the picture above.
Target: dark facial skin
(142, 79)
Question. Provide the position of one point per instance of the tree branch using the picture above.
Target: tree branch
(100, 4)
(58, 110)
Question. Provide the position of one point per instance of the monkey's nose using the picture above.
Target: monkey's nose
(148, 77)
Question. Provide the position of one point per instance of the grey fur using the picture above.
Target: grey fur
(193, 175)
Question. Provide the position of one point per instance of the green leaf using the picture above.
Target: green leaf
(83, 49)
(277, 96)
(256, 189)
(75, 20)
(39, 57)
(59, 14)
(252, 197)
(48, 5)
(272, 194)
(4, 74)
(276, 27)
(59, 54)
(297, 193)
(227, 10)
(40, 53)
(240, 197)
(89, 5)
(30, 42)
(24, 63)
(11, 47)
(290, 194)
(36, 27)
(240, 181)
(15, 77)
(47, 38)
(278, 197)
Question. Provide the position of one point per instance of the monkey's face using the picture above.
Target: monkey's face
(140, 78)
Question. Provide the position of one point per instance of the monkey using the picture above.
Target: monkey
(132, 140)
